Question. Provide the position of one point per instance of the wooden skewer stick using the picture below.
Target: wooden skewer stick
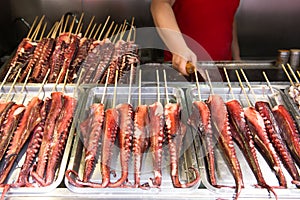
(43, 83)
(78, 82)
(61, 24)
(90, 35)
(287, 74)
(166, 86)
(65, 81)
(43, 31)
(72, 25)
(109, 29)
(52, 29)
(158, 92)
(271, 88)
(80, 29)
(115, 89)
(5, 78)
(32, 26)
(13, 85)
(131, 26)
(105, 86)
(97, 31)
(26, 79)
(37, 29)
(197, 84)
(229, 84)
(293, 73)
(248, 84)
(140, 88)
(66, 24)
(53, 36)
(116, 36)
(112, 34)
(89, 26)
(209, 81)
(243, 89)
(130, 83)
(79, 24)
(104, 26)
(123, 33)
(134, 33)
(298, 73)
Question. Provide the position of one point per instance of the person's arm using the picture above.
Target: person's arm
(170, 33)
(235, 44)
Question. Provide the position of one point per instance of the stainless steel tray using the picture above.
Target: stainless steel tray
(149, 96)
(223, 175)
(30, 91)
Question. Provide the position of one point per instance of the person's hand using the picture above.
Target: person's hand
(179, 61)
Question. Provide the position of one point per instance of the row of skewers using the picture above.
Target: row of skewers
(68, 53)
(139, 132)
(37, 132)
(259, 126)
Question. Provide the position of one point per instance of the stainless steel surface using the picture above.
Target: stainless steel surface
(223, 175)
(30, 91)
(149, 96)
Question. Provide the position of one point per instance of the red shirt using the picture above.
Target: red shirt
(209, 23)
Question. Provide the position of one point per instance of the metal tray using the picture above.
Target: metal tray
(149, 96)
(30, 91)
(223, 174)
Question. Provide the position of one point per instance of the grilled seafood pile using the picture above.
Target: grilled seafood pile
(66, 54)
(136, 133)
(44, 125)
(270, 130)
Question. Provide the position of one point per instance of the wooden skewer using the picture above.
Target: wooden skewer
(66, 23)
(104, 26)
(108, 31)
(134, 33)
(53, 36)
(129, 34)
(72, 25)
(92, 30)
(61, 24)
(13, 84)
(80, 29)
(115, 89)
(57, 80)
(166, 86)
(79, 24)
(112, 34)
(95, 35)
(140, 88)
(209, 81)
(65, 81)
(271, 88)
(229, 84)
(78, 82)
(105, 86)
(88, 28)
(117, 34)
(197, 84)
(37, 29)
(5, 78)
(287, 74)
(43, 83)
(248, 84)
(52, 29)
(243, 89)
(130, 83)
(26, 79)
(158, 92)
(293, 73)
(123, 32)
(298, 73)
(32, 26)
(43, 31)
